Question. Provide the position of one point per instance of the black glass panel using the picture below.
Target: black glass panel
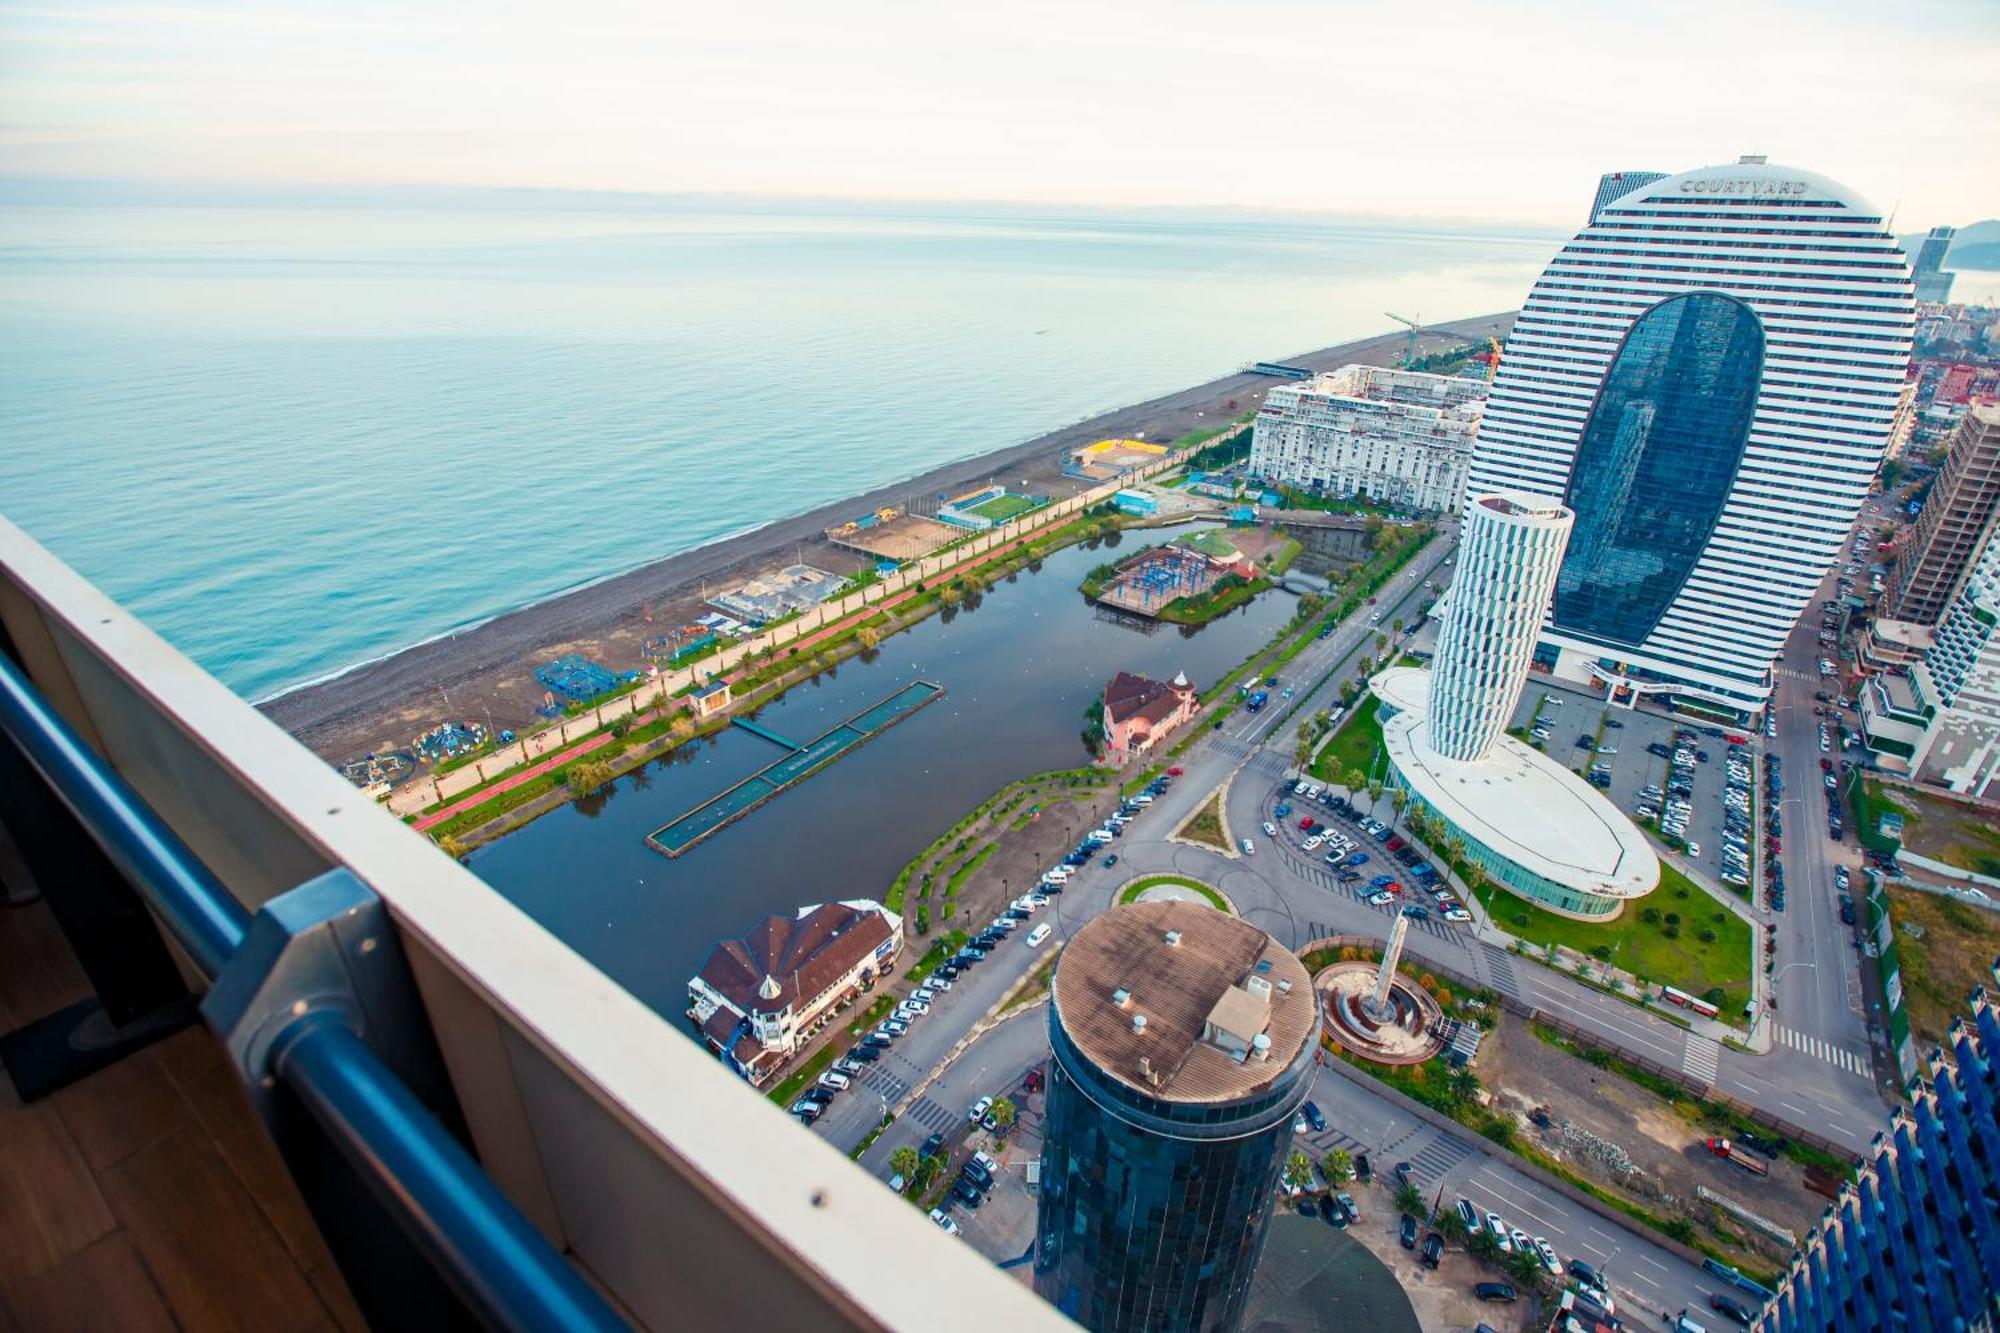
(1656, 462)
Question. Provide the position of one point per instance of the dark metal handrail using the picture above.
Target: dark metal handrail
(203, 915)
(491, 1256)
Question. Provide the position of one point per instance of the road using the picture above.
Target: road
(1289, 894)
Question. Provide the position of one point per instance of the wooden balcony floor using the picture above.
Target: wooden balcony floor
(146, 1196)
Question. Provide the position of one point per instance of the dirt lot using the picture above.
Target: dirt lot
(1665, 1149)
(1954, 953)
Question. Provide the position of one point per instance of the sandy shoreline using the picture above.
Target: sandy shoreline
(485, 671)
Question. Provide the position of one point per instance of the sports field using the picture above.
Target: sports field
(1003, 507)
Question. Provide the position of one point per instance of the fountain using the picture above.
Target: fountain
(1374, 1011)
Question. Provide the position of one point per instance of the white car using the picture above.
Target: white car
(1312, 843)
(1499, 1230)
(1249, 847)
(1381, 897)
(1521, 1240)
(1270, 829)
(979, 1109)
(943, 1219)
(838, 1082)
(913, 1007)
(1549, 1260)
(1038, 934)
(1457, 914)
(938, 983)
(1694, 849)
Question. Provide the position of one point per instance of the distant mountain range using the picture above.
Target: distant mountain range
(1976, 246)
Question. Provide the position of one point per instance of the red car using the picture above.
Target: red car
(1305, 824)
(1175, 771)
(1396, 844)
(1825, 764)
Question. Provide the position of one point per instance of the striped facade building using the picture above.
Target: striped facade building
(1708, 375)
(1913, 1243)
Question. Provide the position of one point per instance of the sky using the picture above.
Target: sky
(1451, 109)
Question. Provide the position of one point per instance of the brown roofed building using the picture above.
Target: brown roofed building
(1958, 519)
(757, 1000)
(1140, 712)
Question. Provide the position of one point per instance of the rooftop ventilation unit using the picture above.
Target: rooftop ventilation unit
(1139, 1023)
(1173, 939)
(1121, 997)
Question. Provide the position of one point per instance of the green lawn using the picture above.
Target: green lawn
(796, 1081)
(1138, 886)
(1353, 746)
(1643, 947)
(1003, 507)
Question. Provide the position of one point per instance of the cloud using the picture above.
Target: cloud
(1454, 108)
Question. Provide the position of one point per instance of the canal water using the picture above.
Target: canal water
(1019, 665)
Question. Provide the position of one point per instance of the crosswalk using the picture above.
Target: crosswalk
(1435, 1160)
(1821, 1049)
(1501, 968)
(889, 1084)
(1701, 1057)
(928, 1114)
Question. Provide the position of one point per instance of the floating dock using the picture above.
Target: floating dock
(804, 760)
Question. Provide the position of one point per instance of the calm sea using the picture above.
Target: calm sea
(294, 440)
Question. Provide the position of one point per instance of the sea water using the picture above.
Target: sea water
(297, 439)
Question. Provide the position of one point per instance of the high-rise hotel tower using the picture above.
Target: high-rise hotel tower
(1707, 375)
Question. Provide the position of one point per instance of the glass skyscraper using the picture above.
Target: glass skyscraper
(1183, 1042)
(1708, 375)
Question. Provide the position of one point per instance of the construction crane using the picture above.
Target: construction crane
(1410, 344)
(1493, 366)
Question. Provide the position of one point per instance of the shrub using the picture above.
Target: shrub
(1706, 936)
(1714, 995)
(1673, 918)
(1681, 892)
(1651, 916)
(1671, 931)
(1602, 952)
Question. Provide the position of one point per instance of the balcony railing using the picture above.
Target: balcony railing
(554, 1152)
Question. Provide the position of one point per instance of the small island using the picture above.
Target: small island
(1195, 577)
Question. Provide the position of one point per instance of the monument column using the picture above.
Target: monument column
(1378, 1006)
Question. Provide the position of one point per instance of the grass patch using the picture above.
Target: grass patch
(796, 1081)
(1206, 825)
(1228, 594)
(868, 1141)
(1942, 830)
(1004, 507)
(1868, 803)
(1138, 886)
(1651, 949)
(1942, 966)
(1353, 746)
(1033, 986)
(942, 948)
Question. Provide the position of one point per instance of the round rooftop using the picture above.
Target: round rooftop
(1517, 801)
(1184, 1003)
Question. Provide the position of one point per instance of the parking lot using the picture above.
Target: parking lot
(1584, 731)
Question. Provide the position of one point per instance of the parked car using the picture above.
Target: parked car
(943, 1219)
(1249, 848)
(1314, 1117)
(979, 1109)
(1433, 1250)
(1493, 1291)
(965, 1192)
(1409, 1232)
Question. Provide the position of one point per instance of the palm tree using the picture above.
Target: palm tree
(1374, 793)
(1450, 1225)
(1354, 780)
(1410, 1199)
(1298, 1170)
(1396, 626)
(1337, 1166)
(1526, 1268)
(1398, 799)
(904, 1162)
(1002, 1112)
(1462, 1086)
(1483, 1244)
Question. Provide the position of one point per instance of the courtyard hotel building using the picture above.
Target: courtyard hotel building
(1707, 375)
(1397, 437)
(1538, 830)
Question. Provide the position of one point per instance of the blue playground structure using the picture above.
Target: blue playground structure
(576, 678)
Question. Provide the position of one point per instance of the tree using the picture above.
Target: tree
(586, 776)
(1450, 1225)
(1381, 642)
(1410, 1199)
(680, 729)
(868, 636)
(1462, 1086)
(1374, 792)
(1354, 780)
(904, 1162)
(1483, 1244)
(1299, 1170)
(1337, 1166)
(1003, 1113)
(1303, 755)
(1525, 1266)
(1398, 799)
(1396, 625)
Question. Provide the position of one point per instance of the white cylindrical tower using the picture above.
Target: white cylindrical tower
(1509, 552)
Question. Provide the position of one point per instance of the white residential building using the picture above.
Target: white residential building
(1398, 437)
(1707, 374)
